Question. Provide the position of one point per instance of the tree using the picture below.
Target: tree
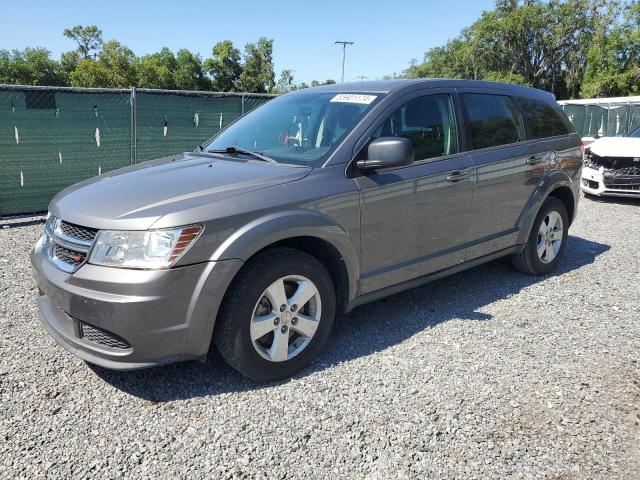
(257, 73)
(613, 61)
(31, 66)
(157, 70)
(285, 83)
(189, 74)
(224, 67)
(69, 62)
(89, 39)
(114, 68)
(533, 42)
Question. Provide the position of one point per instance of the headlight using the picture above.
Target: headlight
(49, 224)
(149, 250)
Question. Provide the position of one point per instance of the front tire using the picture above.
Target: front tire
(547, 240)
(277, 314)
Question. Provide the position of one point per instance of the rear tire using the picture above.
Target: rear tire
(547, 240)
(282, 295)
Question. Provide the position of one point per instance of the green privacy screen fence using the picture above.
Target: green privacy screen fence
(51, 138)
(603, 117)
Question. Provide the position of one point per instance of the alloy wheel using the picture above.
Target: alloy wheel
(550, 236)
(285, 318)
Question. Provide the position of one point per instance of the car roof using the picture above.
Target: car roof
(391, 86)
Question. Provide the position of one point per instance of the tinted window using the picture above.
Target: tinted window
(493, 120)
(428, 122)
(634, 133)
(543, 120)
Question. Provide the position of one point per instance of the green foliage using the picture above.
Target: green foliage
(257, 72)
(613, 60)
(189, 74)
(89, 38)
(224, 67)
(286, 83)
(157, 70)
(570, 48)
(114, 68)
(31, 66)
(95, 63)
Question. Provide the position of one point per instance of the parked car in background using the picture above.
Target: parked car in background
(612, 166)
(310, 205)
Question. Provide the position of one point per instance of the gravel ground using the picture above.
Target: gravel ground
(487, 374)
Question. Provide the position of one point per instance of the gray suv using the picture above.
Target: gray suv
(315, 203)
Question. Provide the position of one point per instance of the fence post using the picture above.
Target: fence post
(242, 109)
(134, 152)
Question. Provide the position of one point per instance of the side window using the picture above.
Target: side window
(543, 120)
(493, 120)
(428, 122)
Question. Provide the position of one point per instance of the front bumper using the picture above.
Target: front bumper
(593, 182)
(128, 319)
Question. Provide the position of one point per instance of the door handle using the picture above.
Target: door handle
(457, 176)
(534, 159)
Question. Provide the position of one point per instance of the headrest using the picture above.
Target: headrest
(423, 113)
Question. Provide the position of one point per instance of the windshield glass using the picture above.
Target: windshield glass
(634, 133)
(302, 128)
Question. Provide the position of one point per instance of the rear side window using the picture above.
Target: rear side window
(493, 120)
(428, 122)
(543, 120)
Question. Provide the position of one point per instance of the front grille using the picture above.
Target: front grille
(102, 337)
(77, 232)
(67, 245)
(622, 179)
(68, 256)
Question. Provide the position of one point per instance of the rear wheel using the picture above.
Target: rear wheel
(547, 240)
(276, 315)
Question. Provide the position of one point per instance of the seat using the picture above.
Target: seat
(423, 125)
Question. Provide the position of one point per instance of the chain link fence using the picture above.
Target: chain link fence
(53, 137)
(602, 117)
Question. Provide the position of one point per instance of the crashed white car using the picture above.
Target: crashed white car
(612, 166)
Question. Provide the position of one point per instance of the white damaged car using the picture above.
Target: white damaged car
(612, 166)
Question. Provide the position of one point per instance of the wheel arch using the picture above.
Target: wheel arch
(311, 232)
(556, 183)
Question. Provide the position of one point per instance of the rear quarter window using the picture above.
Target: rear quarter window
(493, 120)
(544, 121)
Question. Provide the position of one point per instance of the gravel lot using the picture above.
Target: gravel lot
(487, 374)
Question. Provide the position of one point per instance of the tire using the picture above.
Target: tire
(529, 260)
(253, 297)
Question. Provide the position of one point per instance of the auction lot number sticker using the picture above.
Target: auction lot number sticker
(353, 98)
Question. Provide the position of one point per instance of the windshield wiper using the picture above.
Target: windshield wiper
(234, 149)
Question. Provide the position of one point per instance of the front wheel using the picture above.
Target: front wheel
(276, 315)
(547, 240)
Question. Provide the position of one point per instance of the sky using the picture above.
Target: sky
(387, 34)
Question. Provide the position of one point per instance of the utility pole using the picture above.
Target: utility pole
(344, 53)
(362, 78)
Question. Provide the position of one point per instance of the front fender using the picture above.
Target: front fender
(550, 182)
(264, 231)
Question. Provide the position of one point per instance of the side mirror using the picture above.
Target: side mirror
(386, 152)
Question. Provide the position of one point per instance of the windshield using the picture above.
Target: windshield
(634, 133)
(302, 128)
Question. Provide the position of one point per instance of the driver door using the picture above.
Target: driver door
(415, 218)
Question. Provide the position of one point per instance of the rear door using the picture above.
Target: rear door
(414, 219)
(507, 168)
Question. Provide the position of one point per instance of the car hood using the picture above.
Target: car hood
(134, 198)
(616, 147)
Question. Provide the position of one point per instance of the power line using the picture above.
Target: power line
(362, 78)
(344, 53)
